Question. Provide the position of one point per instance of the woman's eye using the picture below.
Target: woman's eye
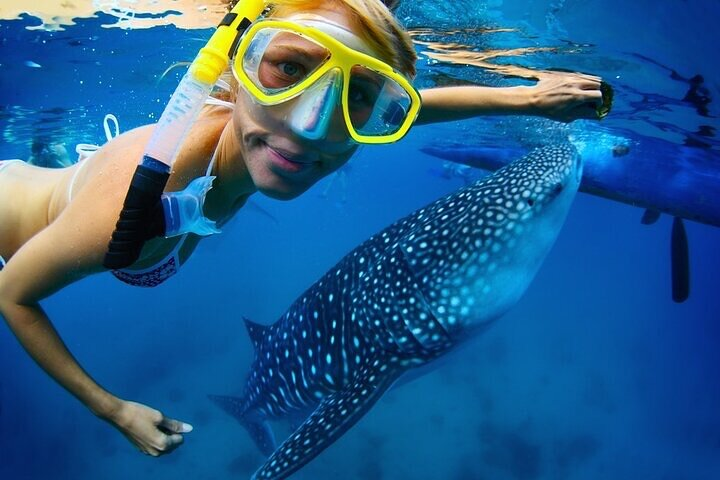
(281, 74)
(356, 95)
(290, 69)
(362, 94)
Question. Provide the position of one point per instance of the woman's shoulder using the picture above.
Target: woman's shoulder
(202, 139)
(129, 144)
(126, 150)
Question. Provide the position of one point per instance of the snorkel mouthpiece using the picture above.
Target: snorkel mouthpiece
(183, 210)
(152, 173)
(310, 116)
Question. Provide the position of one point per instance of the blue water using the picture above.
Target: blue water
(595, 374)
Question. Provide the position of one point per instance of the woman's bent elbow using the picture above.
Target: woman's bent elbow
(15, 314)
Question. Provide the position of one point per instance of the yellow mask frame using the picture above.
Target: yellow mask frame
(341, 57)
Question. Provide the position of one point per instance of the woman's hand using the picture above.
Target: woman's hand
(148, 429)
(565, 96)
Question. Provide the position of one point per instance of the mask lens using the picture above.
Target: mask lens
(377, 104)
(277, 60)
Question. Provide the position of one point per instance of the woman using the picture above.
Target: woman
(55, 224)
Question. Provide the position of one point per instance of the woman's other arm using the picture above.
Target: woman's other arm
(70, 248)
(558, 96)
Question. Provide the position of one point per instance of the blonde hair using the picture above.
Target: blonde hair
(378, 27)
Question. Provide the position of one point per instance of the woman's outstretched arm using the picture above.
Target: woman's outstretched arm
(558, 96)
(68, 249)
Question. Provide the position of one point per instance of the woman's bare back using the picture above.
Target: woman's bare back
(32, 198)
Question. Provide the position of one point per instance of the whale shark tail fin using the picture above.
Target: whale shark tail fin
(237, 407)
(256, 425)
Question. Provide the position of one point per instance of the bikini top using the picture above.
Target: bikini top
(165, 268)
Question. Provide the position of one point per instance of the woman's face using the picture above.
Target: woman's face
(281, 163)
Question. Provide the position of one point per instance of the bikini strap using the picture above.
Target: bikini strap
(219, 103)
(86, 150)
(213, 159)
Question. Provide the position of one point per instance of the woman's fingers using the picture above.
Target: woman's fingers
(589, 85)
(162, 443)
(590, 96)
(149, 430)
(171, 438)
(583, 77)
(174, 426)
(590, 78)
(569, 96)
(172, 442)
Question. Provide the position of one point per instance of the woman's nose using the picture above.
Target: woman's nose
(317, 112)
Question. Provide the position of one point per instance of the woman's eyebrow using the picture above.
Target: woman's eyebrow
(310, 54)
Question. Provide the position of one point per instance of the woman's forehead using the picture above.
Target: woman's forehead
(333, 12)
(339, 31)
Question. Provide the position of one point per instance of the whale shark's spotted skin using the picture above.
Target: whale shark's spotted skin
(404, 297)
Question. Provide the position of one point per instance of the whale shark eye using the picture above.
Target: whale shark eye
(530, 202)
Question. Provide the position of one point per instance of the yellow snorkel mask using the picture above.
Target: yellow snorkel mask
(322, 64)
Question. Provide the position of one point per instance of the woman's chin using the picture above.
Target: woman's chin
(278, 194)
(280, 188)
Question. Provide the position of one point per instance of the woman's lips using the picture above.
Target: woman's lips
(287, 161)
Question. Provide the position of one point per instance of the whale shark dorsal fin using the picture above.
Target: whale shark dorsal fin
(256, 332)
(332, 418)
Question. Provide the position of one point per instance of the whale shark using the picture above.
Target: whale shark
(405, 297)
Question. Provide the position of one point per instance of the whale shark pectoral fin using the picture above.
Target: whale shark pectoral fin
(256, 426)
(332, 418)
(680, 257)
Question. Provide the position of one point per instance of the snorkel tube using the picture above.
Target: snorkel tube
(133, 227)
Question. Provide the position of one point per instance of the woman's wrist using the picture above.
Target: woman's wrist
(106, 406)
(520, 100)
